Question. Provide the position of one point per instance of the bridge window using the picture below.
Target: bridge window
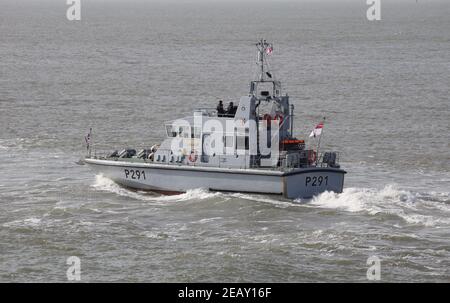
(229, 141)
(170, 131)
(242, 142)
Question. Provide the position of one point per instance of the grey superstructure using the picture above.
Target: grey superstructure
(247, 147)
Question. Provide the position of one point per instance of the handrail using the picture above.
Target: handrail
(301, 162)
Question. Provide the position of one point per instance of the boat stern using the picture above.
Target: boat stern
(306, 183)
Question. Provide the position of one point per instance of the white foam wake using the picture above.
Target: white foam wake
(427, 209)
(105, 184)
(414, 208)
(277, 202)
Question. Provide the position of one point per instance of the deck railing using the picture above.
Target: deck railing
(305, 160)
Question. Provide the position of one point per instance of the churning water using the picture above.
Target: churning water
(125, 68)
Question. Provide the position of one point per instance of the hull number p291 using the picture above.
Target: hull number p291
(316, 181)
(134, 174)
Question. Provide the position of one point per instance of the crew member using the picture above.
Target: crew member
(231, 110)
(220, 109)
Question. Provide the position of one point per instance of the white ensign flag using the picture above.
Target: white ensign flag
(317, 131)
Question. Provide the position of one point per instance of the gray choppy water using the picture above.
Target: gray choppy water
(126, 68)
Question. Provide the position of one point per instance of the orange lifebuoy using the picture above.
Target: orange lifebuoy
(193, 157)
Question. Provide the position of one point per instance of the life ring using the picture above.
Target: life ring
(151, 156)
(279, 117)
(312, 156)
(154, 148)
(193, 157)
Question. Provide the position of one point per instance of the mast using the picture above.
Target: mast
(263, 48)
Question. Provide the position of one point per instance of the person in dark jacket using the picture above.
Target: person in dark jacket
(220, 109)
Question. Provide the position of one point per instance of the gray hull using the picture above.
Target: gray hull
(297, 183)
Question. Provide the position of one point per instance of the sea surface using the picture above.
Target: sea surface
(127, 67)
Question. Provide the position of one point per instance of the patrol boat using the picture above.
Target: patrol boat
(249, 147)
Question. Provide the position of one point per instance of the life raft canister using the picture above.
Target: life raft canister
(293, 141)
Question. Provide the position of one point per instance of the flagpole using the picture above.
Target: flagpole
(318, 143)
(90, 140)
